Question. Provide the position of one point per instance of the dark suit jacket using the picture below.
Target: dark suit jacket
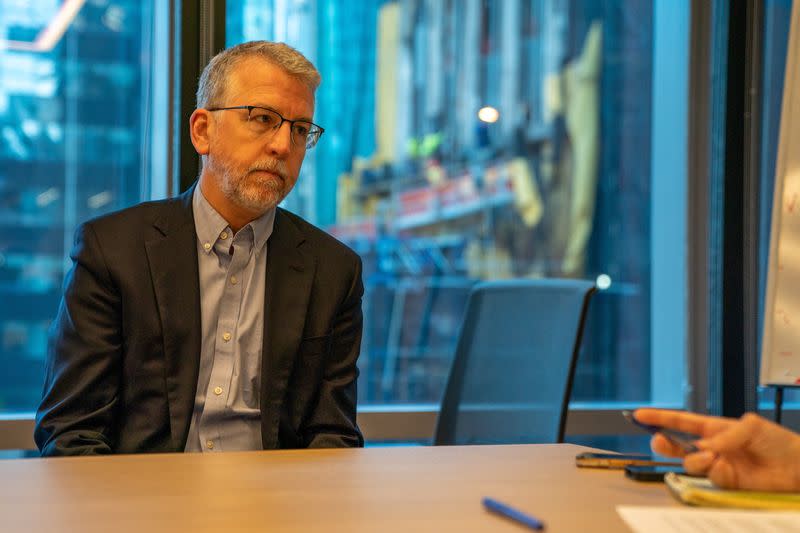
(124, 350)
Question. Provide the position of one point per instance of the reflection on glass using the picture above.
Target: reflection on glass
(435, 199)
(71, 123)
(777, 18)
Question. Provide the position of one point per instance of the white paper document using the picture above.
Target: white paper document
(691, 520)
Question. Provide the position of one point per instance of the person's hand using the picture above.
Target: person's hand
(749, 453)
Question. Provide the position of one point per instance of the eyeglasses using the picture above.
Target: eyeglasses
(262, 120)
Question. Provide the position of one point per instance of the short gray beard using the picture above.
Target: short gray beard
(257, 199)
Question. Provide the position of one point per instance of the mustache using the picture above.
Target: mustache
(271, 165)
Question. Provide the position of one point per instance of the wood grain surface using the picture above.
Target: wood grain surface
(409, 489)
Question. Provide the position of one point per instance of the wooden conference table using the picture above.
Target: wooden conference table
(376, 489)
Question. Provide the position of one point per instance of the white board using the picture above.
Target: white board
(780, 354)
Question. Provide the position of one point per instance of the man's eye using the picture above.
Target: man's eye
(302, 129)
(264, 119)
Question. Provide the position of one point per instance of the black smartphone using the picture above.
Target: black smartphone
(651, 473)
(618, 461)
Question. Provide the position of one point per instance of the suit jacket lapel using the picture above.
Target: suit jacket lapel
(172, 256)
(290, 273)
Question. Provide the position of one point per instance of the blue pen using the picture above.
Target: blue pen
(513, 514)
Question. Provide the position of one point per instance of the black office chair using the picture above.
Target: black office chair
(512, 372)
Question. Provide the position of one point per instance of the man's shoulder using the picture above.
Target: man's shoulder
(131, 219)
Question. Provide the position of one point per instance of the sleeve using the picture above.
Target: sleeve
(333, 423)
(82, 372)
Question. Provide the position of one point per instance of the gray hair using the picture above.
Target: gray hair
(213, 80)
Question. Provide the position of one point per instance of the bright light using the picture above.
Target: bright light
(43, 199)
(603, 282)
(52, 33)
(488, 114)
(99, 200)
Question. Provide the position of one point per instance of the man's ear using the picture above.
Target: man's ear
(200, 126)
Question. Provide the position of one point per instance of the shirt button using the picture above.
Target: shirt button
(210, 444)
(226, 336)
(223, 235)
(217, 390)
(234, 281)
(206, 246)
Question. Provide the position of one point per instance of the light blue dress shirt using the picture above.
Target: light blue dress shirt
(232, 283)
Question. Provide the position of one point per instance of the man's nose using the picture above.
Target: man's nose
(280, 143)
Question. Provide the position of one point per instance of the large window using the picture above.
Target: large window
(575, 168)
(75, 101)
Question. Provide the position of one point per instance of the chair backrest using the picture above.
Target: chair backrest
(512, 372)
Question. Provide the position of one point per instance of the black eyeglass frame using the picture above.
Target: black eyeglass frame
(317, 133)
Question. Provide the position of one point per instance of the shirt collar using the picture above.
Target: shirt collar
(262, 228)
(209, 224)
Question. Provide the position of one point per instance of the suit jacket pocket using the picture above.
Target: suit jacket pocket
(314, 346)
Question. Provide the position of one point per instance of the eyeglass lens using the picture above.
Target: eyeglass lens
(267, 121)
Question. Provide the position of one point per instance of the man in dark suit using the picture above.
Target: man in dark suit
(215, 320)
